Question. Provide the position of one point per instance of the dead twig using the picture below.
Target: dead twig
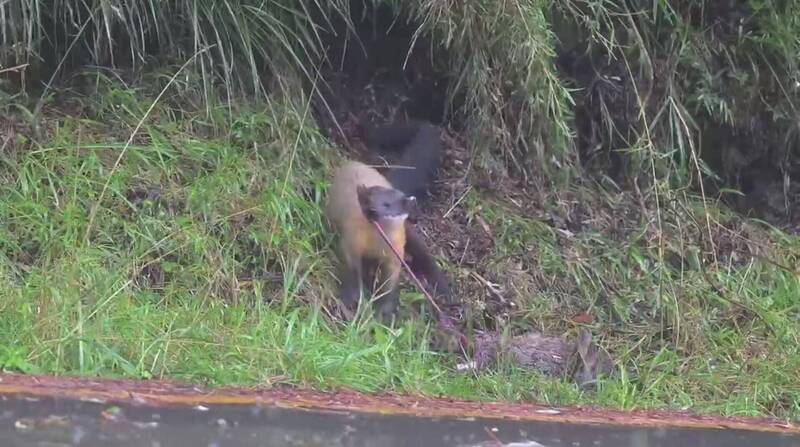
(15, 68)
(444, 321)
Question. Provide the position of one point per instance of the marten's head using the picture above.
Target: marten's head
(379, 203)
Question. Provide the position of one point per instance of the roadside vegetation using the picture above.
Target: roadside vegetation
(629, 170)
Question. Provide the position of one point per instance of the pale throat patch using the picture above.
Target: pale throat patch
(390, 222)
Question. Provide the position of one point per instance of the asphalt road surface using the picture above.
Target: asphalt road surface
(27, 421)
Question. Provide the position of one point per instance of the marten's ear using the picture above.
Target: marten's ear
(364, 201)
(363, 196)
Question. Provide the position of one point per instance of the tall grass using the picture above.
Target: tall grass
(238, 40)
(661, 73)
(700, 89)
(241, 42)
(500, 57)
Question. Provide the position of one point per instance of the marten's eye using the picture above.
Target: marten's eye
(386, 204)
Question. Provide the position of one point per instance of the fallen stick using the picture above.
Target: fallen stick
(443, 320)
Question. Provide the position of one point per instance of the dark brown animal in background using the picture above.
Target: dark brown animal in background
(413, 149)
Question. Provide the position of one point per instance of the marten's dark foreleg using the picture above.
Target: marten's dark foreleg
(351, 279)
(387, 292)
(350, 289)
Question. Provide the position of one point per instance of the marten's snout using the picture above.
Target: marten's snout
(393, 210)
(391, 204)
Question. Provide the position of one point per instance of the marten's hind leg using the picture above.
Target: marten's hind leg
(370, 272)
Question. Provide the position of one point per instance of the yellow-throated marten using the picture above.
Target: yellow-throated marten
(415, 145)
(358, 196)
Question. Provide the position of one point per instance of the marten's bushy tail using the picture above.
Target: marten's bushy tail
(416, 148)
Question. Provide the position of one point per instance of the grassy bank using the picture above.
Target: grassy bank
(203, 256)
